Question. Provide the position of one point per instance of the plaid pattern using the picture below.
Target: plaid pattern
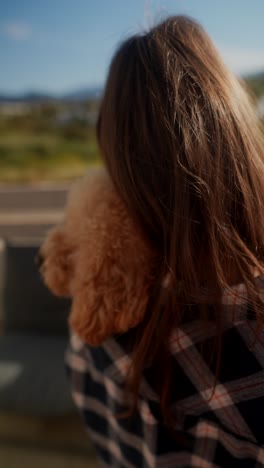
(224, 428)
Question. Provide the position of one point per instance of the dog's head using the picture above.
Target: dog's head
(99, 257)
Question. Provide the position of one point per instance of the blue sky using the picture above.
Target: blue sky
(61, 45)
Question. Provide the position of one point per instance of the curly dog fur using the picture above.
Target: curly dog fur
(99, 257)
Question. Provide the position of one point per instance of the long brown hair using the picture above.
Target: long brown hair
(182, 143)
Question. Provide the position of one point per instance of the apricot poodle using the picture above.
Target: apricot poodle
(99, 257)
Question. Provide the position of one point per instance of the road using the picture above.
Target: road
(28, 212)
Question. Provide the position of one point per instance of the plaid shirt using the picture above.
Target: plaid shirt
(224, 428)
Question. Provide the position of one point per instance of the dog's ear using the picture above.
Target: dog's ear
(114, 273)
(57, 254)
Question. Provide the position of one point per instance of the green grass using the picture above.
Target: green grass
(37, 146)
(25, 156)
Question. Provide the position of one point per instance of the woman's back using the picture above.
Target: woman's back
(182, 145)
(217, 423)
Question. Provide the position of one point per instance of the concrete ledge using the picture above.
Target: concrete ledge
(44, 443)
(14, 457)
(53, 433)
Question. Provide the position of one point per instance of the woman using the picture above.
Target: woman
(182, 145)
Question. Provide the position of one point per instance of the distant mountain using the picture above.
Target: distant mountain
(30, 97)
(85, 93)
(258, 75)
(36, 97)
(256, 83)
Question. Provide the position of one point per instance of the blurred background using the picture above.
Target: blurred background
(54, 60)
